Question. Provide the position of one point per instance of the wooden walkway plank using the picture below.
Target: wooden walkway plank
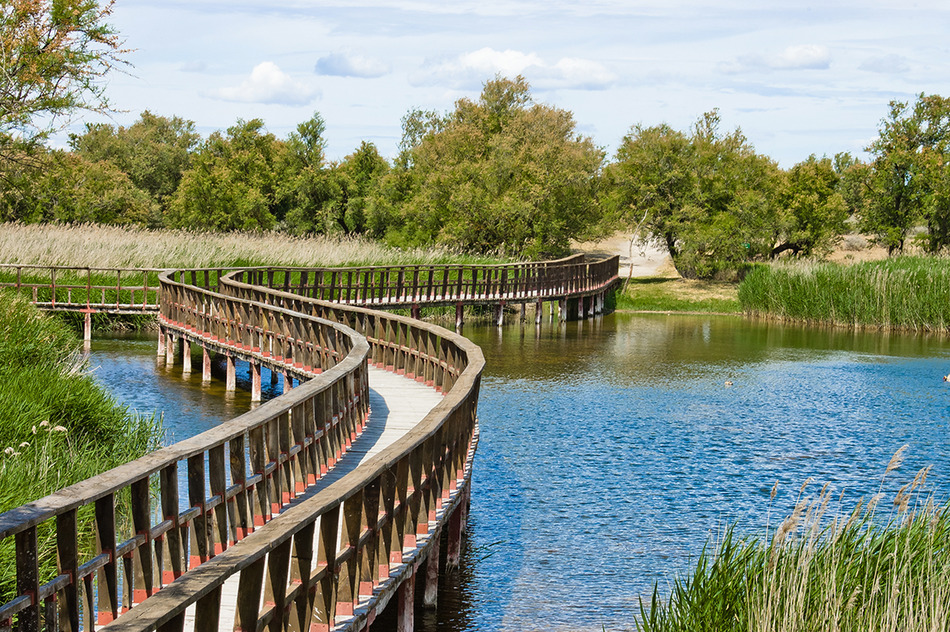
(397, 405)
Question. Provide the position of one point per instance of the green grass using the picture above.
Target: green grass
(846, 572)
(901, 293)
(662, 294)
(57, 425)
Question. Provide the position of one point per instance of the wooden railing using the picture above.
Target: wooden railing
(251, 509)
(394, 286)
(115, 290)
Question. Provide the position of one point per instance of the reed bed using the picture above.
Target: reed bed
(821, 570)
(57, 425)
(97, 246)
(911, 293)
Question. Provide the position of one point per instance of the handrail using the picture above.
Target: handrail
(47, 289)
(441, 284)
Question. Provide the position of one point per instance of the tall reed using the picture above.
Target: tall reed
(821, 570)
(118, 247)
(900, 293)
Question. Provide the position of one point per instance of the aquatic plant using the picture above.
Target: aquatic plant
(901, 293)
(821, 570)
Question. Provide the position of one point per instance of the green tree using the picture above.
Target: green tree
(812, 213)
(233, 182)
(501, 174)
(69, 188)
(54, 55)
(307, 184)
(707, 196)
(898, 183)
(154, 152)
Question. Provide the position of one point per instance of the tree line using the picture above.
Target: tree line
(498, 174)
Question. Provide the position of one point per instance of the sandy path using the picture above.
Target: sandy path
(646, 259)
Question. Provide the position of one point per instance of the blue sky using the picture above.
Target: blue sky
(797, 77)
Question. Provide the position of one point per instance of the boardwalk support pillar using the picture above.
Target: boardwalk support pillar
(459, 310)
(255, 382)
(185, 357)
(406, 602)
(500, 314)
(562, 310)
(169, 349)
(538, 312)
(456, 527)
(87, 326)
(430, 597)
(161, 341)
(205, 365)
(415, 311)
(230, 383)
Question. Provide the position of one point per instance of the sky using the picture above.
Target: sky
(798, 78)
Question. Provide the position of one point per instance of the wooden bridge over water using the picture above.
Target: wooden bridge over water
(314, 510)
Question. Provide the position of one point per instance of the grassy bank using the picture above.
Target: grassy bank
(851, 572)
(673, 294)
(57, 426)
(902, 293)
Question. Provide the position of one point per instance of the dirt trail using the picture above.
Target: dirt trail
(647, 259)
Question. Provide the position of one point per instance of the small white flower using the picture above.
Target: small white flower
(9, 451)
(34, 429)
(25, 444)
(44, 423)
(59, 429)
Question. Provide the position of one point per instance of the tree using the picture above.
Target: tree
(53, 57)
(813, 213)
(233, 182)
(898, 182)
(501, 174)
(307, 184)
(69, 188)
(707, 196)
(154, 152)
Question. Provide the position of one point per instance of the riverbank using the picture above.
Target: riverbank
(57, 425)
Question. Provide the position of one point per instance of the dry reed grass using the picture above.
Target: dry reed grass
(117, 247)
(823, 569)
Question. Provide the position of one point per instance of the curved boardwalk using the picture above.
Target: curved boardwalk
(316, 509)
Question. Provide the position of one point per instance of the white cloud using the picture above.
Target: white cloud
(269, 84)
(470, 70)
(801, 57)
(806, 56)
(347, 65)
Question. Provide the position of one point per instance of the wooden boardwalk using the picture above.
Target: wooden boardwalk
(397, 405)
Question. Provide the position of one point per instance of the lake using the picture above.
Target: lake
(612, 450)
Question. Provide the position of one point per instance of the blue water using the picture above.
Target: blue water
(611, 452)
